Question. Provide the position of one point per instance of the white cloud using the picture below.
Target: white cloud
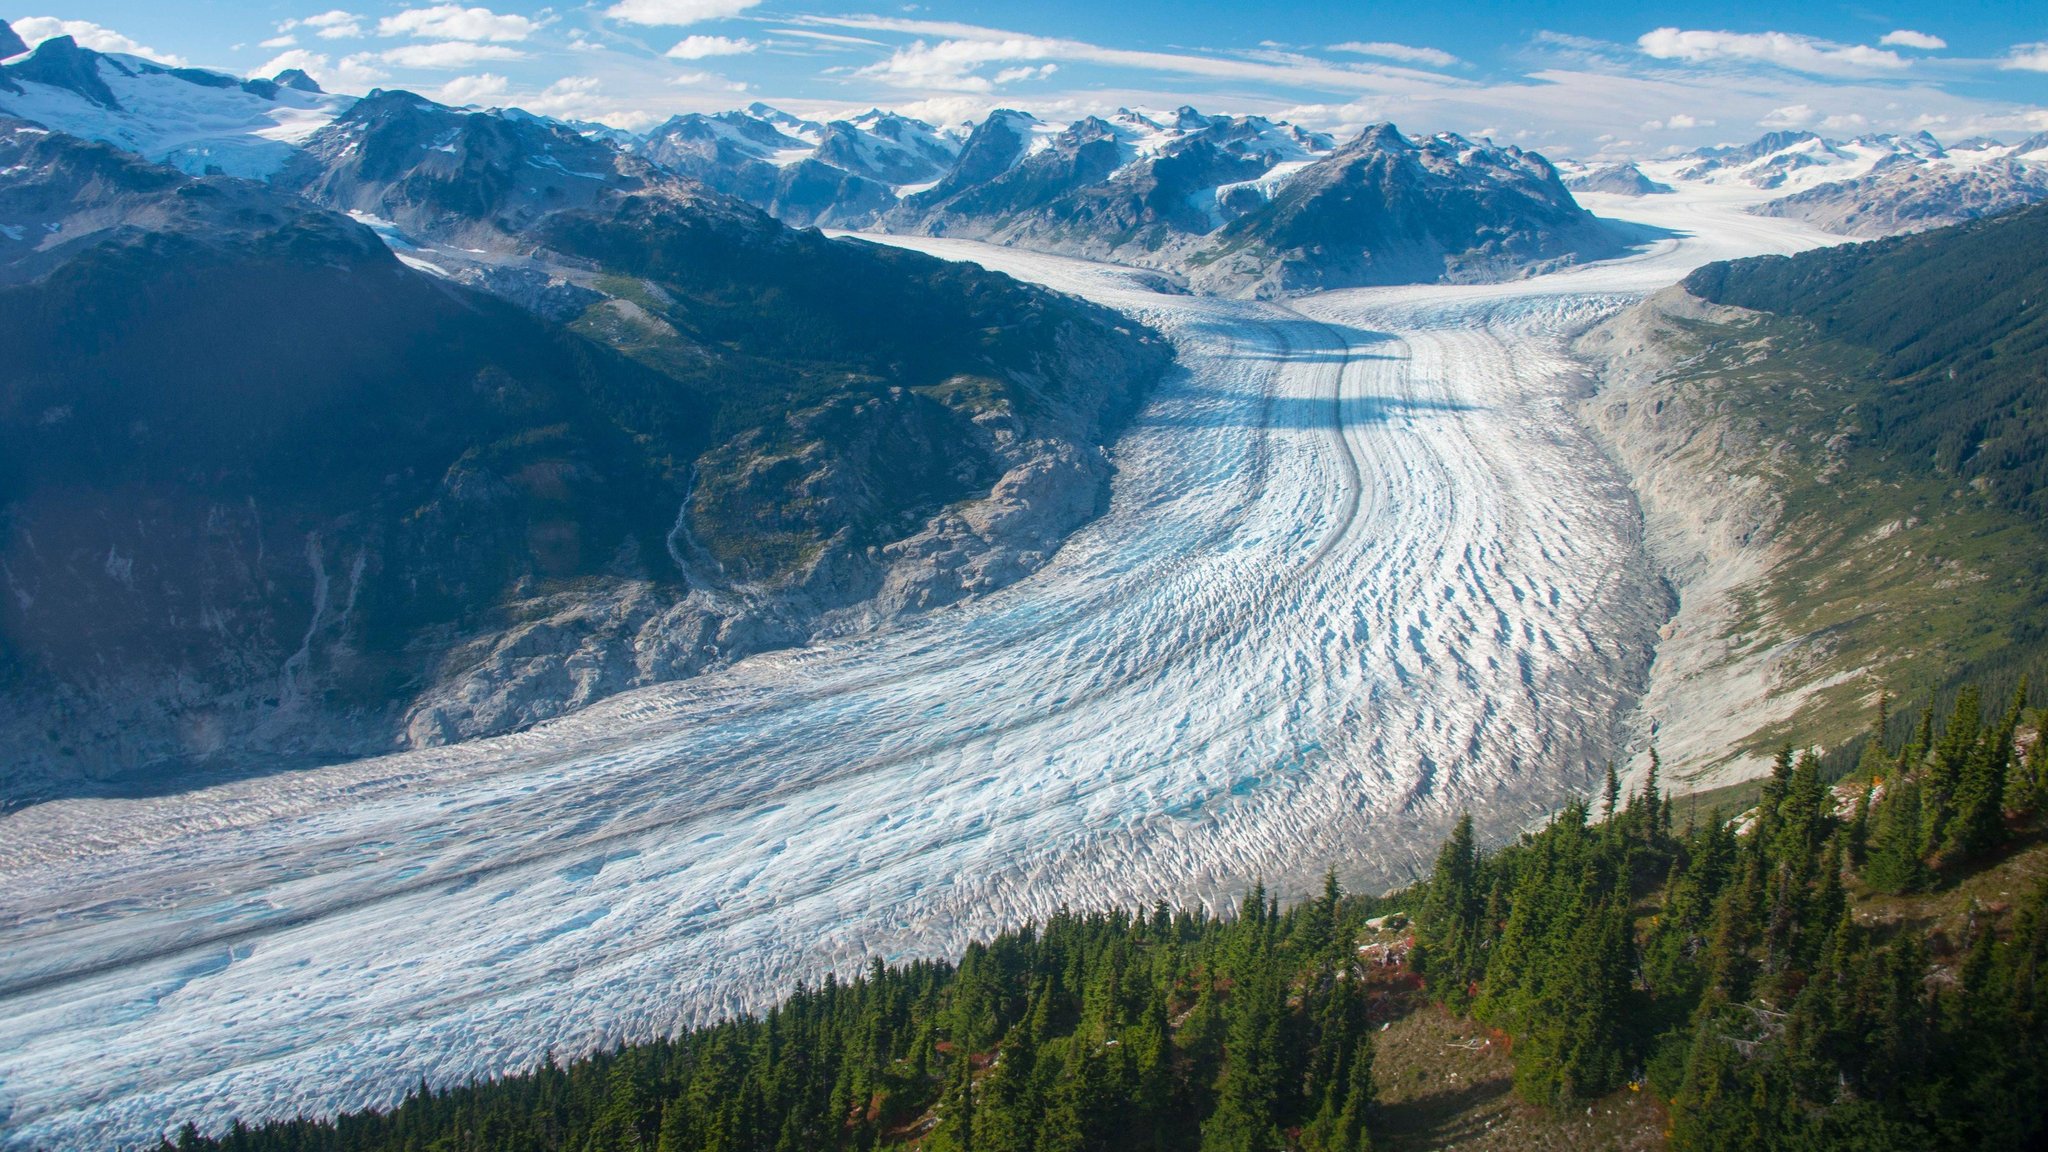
(473, 89)
(2026, 57)
(830, 37)
(307, 61)
(1784, 49)
(1682, 120)
(285, 41)
(1907, 38)
(454, 22)
(1406, 53)
(1012, 75)
(448, 54)
(583, 98)
(700, 47)
(1790, 116)
(330, 25)
(352, 74)
(955, 64)
(35, 29)
(676, 12)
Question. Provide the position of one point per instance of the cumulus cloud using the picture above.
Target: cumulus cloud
(454, 22)
(1784, 49)
(583, 98)
(1406, 53)
(2027, 57)
(701, 47)
(1907, 38)
(307, 61)
(1790, 116)
(33, 30)
(676, 12)
(284, 41)
(334, 24)
(473, 89)
(448, 54)
(352, 73)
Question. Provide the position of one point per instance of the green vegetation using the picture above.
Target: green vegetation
(1761, 975)
(1109, 1031)
(846, 379)
(1837, 968)
(1894, 397)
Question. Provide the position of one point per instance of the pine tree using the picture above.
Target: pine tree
(1448, 925)
(1895, 857)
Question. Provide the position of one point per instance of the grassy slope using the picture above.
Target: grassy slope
(1896, 397)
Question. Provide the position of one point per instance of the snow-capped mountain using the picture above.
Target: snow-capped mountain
(1107, 186)
(193, 119)
(843, 173)
(1085, 186)
(1870, 186)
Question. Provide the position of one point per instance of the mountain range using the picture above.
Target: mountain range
(1871, 186)
(1201, 197)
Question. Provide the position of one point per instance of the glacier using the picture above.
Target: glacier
(1361, 570)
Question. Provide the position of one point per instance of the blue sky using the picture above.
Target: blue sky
(1571, 79)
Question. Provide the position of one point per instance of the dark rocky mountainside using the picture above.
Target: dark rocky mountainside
(392, 509)
(1386, 210)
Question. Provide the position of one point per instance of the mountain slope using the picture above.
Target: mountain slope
(1127, 188)
(1871, 186)
(1840, 456)
(396, 510)
(1386, 210)
(191, 118)
(1900, 198)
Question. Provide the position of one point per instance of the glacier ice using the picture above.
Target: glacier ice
(1361, 570)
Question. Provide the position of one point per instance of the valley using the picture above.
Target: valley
(1361, 569)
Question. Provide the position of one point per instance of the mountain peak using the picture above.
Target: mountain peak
(60, 63)
(11, 43)
(1383, 137)
(296, 79)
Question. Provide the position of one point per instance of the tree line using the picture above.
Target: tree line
(1721, 965)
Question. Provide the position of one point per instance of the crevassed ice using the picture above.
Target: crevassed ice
(1360, 571)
